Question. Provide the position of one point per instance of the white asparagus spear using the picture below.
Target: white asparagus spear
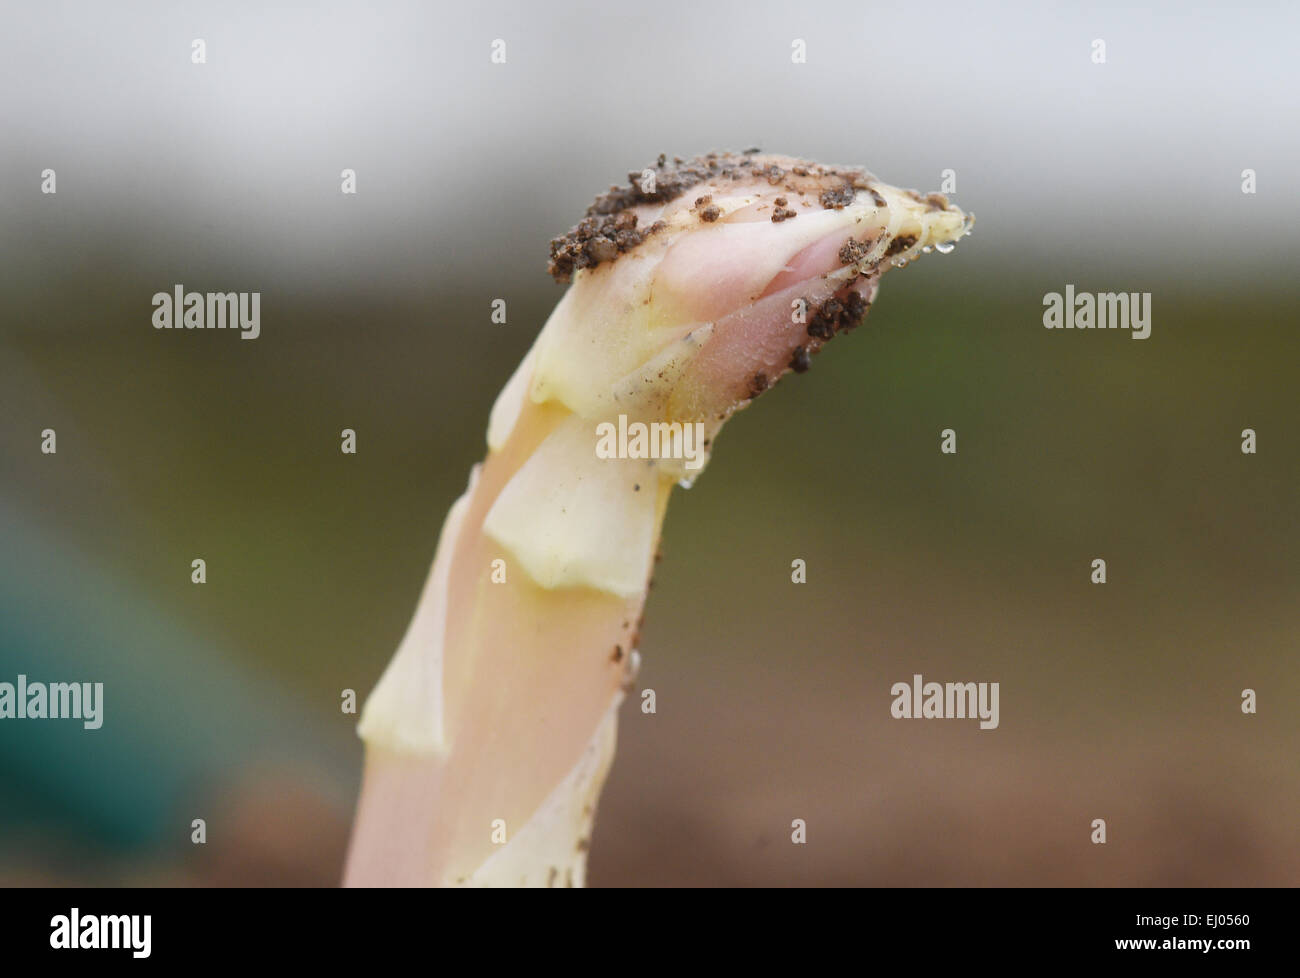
(693, 290)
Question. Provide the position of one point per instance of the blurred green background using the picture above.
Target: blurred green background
(222, 700)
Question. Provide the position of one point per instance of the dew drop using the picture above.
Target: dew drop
(945, 247)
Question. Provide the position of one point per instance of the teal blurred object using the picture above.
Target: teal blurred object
(178, 716)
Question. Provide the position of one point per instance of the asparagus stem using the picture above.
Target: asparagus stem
(694, 289)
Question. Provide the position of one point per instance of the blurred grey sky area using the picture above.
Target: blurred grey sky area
(465, 166)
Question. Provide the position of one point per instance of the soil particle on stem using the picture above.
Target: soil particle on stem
(901, 243)
(609, 229)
